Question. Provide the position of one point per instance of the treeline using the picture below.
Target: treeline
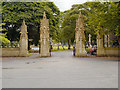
(98, 16)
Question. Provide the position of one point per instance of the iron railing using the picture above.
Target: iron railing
(12, 44)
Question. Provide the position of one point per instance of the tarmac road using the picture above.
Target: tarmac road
(62, 70)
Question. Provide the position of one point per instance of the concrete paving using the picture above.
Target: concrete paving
(62, 70)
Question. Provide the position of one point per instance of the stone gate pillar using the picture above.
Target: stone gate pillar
(90, 40)
(108, 40)
(105, 40)
(23, 40)
(44, 37)
(80, 37)
(100, 44)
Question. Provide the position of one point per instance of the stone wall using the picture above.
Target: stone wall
(10, 52)
(105, 50)
(22, 51)
(112, 51)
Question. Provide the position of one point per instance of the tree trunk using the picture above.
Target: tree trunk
(68, 44)
(58, 46)
(63, 47)
(29, 45)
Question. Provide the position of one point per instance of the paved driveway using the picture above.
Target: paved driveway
(62, 70)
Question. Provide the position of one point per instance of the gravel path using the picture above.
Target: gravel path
(62, 70)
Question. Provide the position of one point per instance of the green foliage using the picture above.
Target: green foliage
(69, 22)
(13, 14)
(57, 35)
(68, 26)
(4, 40)
(102, 16)
(55, 48)
(88, 50)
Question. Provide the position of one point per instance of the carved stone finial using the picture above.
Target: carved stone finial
(80, 15)
(23, 23)
(24, 27)
(44, 15)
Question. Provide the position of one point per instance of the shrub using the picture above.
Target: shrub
(88, 50)
(4, 40)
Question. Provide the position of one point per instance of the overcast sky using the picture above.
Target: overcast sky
(66, 4)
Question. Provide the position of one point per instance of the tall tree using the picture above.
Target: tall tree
(3, 39)
(69, 21)
(103, 16)
(14, 12)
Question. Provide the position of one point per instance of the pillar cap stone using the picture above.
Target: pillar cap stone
(44, 15)
(23, 23)
(80, 15)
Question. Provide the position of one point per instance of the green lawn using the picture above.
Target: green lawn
(55, 48)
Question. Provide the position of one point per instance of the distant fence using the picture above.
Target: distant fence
(115, 44)
(10, 49)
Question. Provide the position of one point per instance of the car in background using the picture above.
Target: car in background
(93, 51)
